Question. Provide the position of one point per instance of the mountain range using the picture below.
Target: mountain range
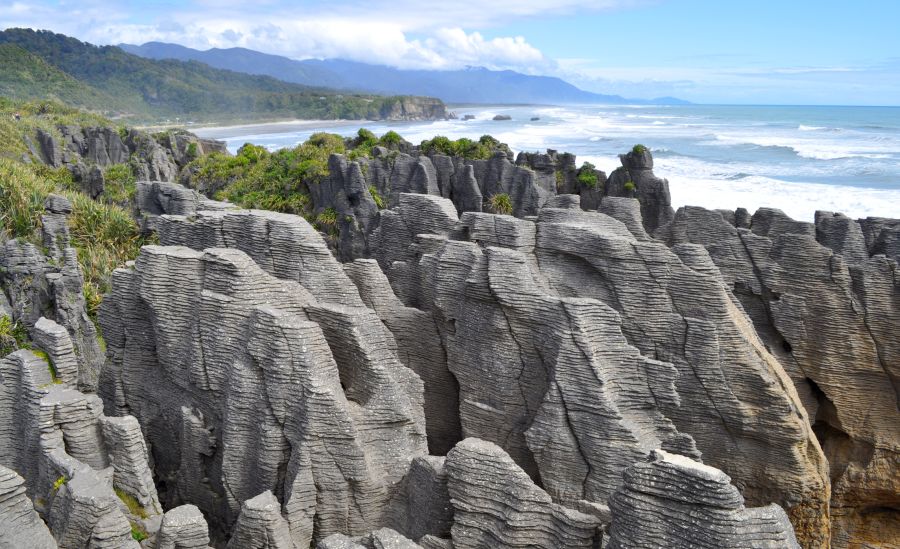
(471, 85)
(41, 65)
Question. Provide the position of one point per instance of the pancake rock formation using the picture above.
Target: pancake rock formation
(592, 369)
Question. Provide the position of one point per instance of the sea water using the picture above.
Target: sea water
(799, 159)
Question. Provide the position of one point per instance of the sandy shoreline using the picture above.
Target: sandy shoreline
(262, 128)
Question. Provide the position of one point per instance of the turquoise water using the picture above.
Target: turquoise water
(799, 159)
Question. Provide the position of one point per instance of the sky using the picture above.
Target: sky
(707, 51)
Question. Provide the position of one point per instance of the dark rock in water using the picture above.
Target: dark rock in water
(535, 118)
(469, 117)
(502, 117)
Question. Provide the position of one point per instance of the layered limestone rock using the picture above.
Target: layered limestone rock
(496, 504)
(636, 179)
(671, 501)
(539, 375)
(828, 311)
(87, 151)
(36, 284)
(736, 400)
(383, 538)
(56, 437)
(183, 528)
(553, 313)
(273, 390)
(20, 525)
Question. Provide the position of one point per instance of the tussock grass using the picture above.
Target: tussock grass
(501, 204)
(104, 235)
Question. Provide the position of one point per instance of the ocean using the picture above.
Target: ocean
(798, 159)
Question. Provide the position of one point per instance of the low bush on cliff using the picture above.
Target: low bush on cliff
(587, 175)
(483, 149)
(104, 235)
(279, 181)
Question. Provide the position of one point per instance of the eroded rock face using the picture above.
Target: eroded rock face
(558, 306)
(496, 504)
(37, 285)
(273, 391)
(829, 319)
(20, 525)
(71, 456)
(671, 501)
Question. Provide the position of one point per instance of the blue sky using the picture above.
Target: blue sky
(709, 51)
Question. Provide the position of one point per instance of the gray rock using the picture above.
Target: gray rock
(672, 501)
(260, 525)
(497, 505)
(813, 310)
(653, 192)
(52, 286)
(20, 525)
(275, 390)
(183, 528)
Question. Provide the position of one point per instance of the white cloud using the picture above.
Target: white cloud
(400, 33)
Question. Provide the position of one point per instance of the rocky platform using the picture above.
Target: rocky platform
(596, 371)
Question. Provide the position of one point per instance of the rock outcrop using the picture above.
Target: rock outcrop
(274, 390)
(594, 370)
(496, 504)
(672, 501)
(20, 525)
(87, 151)
(38, 284)
(827, 310)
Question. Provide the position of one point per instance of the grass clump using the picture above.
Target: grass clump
(587, 175)
(327, 217)
(57, 484)
(13, 336)
(134, 506)
(138, 532)
(639, 149)
(630, 186)
(104, 235)
(376, 196)
(119, 185)
(501, 204)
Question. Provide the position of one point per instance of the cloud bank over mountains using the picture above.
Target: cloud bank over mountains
(501, 34)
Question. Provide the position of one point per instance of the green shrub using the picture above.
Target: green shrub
(390, 139)
(57, 484)
(587, 175)
(482, 149)
(630, 186)
(376, 196)
(501, 204)
(192, 150)
(327, 218)
(639, 149)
